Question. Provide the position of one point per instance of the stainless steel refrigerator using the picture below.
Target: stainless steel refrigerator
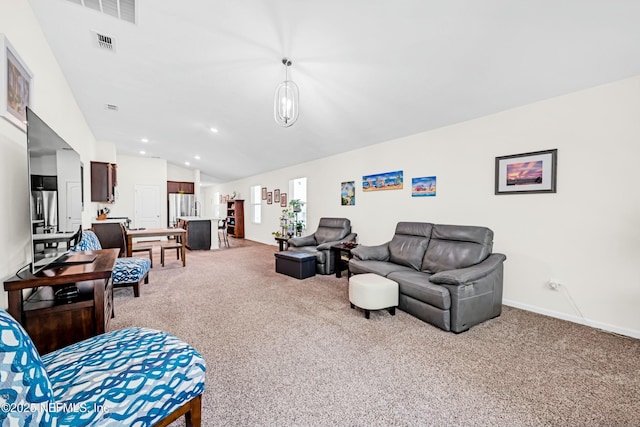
(181, 205)
(44, 211)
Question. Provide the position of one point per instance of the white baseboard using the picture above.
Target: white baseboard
(575, 319)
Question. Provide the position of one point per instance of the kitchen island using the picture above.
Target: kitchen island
(200, 232)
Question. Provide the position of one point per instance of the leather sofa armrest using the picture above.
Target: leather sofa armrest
(309, 240)
(375, 253)
(327, 245)
(464, 276)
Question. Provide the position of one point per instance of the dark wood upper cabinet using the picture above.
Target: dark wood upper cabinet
(104, 179)
(180, 187)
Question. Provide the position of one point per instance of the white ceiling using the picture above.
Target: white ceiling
(368, 70)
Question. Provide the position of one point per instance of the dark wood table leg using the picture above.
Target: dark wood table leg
(337, 262)
(183, 251)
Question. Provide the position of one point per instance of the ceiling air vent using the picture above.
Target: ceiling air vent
(111, 107)
(105, 42)
(121, 9)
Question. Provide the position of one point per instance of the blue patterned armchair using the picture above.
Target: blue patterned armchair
(130, 377)
(126, 272)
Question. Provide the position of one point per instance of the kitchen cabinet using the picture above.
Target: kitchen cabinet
(104, 180)
(180, 187)
(198, 232)
(44, 182)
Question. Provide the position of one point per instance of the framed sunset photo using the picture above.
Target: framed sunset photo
(534, 172)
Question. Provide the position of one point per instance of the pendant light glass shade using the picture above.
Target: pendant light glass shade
(286, 100)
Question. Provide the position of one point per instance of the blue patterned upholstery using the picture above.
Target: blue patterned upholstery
(23, 378)
(88, 242)
(129, 270)
(129, 377)
(126, 271)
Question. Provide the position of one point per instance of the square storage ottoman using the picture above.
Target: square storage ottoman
(296, 264)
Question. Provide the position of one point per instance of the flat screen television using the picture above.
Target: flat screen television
(56, 193)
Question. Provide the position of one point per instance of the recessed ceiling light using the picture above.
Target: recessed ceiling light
(187, 163)
(214, 130)
(196, 157)
(143, 152)
(145, 140)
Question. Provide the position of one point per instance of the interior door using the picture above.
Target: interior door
(147, 206)
(73, 218)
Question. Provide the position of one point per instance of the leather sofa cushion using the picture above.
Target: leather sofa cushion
(416, 285)
(456, 246)
(409, 243)
(381, 268)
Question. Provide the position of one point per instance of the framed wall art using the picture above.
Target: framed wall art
(527, 173)
(276, 195)
(423, 187)
(348, 193)
(283, 200)
(16, 82)
(264, 193)
(382, 181)
(269, 198)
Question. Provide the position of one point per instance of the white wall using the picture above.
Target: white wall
(54, 103)
(587, 235)
(132, 171)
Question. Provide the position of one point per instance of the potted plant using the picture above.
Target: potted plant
(296, 205)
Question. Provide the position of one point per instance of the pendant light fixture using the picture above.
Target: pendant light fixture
(286, 100)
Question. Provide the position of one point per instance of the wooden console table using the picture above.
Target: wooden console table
(53, 324)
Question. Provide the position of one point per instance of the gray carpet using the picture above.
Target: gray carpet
(288, 352)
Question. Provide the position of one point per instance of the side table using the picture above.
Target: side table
(283, 243)
(341, 256)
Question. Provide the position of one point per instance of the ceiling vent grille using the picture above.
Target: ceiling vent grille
(105, 42)
(111, 107)
(121, 9)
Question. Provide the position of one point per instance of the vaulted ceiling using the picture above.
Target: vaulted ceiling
(368, 70)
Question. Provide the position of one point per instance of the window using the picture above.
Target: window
(216, 204)
(298, 190)
(256, 204)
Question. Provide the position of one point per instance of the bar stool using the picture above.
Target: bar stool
(222, 228)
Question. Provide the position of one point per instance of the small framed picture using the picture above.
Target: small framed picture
(269, 198)
(283, 200)
(276, 195)
(533, 172)
(15, 85)
(264, 193)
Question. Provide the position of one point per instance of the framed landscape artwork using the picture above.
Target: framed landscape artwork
(423, 187)
(527, 173)
(382, 181)
(15, 85)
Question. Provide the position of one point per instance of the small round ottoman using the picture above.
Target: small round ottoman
(372, 292)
